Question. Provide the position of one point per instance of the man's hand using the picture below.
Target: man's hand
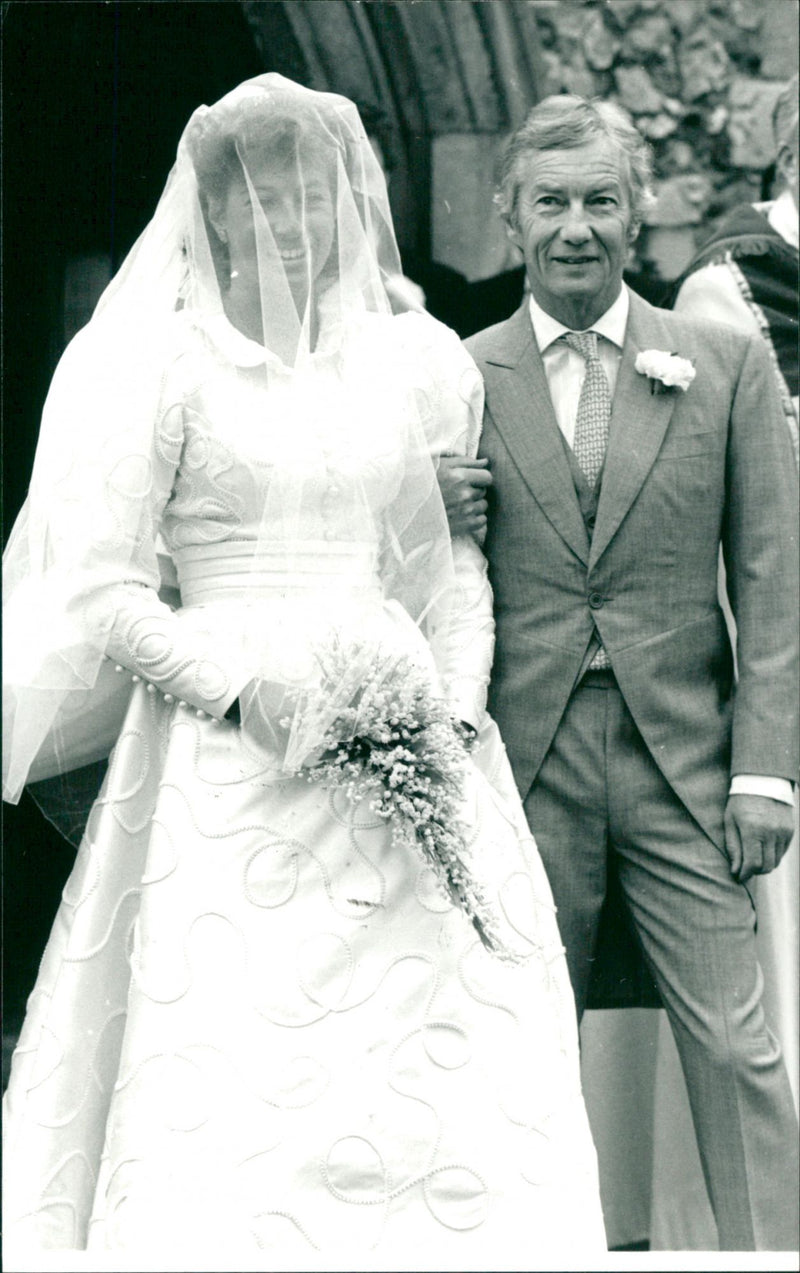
(758, 831)
(463, 483)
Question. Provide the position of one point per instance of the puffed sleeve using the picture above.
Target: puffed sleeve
(145, 635)
(81, 572)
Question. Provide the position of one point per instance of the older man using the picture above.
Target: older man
(623, 450)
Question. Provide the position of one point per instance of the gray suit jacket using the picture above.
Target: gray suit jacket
(684, 472)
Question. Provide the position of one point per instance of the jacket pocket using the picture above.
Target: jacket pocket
(685, 445)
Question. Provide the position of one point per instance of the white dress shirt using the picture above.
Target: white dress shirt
(782, 216)
(712, 292)
(565, 369)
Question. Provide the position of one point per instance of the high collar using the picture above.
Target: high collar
(782, 216)
(241, 351)
(237, 348)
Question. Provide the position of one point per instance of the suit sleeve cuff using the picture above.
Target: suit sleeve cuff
(757, 785)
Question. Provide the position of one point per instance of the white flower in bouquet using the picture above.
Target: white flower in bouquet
(397, 744)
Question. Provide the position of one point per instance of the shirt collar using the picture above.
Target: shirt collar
(233, 344)
(782, 216)
(612, 324)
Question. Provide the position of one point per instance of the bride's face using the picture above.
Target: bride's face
(300, 213)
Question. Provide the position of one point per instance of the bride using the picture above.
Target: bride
(305, 992)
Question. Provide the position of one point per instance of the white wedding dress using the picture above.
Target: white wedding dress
(258, 1026)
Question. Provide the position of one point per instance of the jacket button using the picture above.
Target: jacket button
(596, 600)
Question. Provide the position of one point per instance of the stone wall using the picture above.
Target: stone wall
(451, 78)
(699, 78)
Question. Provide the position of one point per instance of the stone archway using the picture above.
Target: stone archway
(446, 79)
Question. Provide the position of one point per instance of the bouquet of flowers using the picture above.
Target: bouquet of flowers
(398, 744)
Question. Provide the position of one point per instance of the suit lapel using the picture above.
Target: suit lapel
(639, 420)
(521, 407)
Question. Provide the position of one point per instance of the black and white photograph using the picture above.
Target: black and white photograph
(401, 635)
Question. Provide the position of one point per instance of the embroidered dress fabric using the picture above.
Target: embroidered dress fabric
(312, 251)
(259, 1027)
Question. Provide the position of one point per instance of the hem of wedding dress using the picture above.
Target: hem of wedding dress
(534, 1259)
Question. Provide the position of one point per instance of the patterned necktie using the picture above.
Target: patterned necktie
(591, 429)
(594, 407)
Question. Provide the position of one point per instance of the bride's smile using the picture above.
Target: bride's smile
(281, 212)
(277, 1019)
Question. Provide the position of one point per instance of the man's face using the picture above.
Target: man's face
(573, 226)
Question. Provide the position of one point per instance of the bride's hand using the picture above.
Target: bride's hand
(266, 709)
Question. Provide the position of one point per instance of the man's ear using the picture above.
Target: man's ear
(786, 165)
(513, 234)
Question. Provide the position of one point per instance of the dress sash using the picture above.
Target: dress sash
(242, 569)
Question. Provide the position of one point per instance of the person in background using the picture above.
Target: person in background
(747, 273)
(627, 445)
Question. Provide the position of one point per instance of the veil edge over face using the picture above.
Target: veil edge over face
(217, 293)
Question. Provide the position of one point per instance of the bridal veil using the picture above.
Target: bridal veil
(291, 176)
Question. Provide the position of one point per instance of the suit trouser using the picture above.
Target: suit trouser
(598, 793)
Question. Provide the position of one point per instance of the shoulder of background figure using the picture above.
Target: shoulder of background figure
(696, 333)
(485, 342)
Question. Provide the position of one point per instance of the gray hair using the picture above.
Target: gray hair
(563, 122)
